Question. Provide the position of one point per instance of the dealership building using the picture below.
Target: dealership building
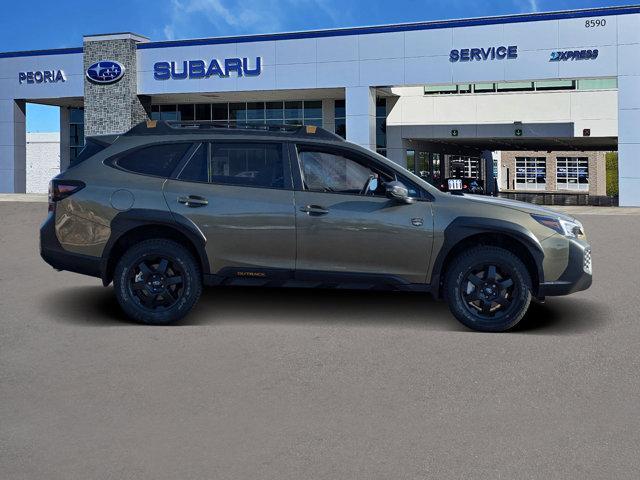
(524, 103)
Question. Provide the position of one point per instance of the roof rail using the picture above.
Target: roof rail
(174, 127)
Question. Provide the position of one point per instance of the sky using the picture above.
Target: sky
(37, 24)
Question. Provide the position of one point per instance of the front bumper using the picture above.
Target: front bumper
(52, 252)
(576, 277)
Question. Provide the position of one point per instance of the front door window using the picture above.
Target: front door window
(336, 173)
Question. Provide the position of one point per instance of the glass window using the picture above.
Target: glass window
(440, 89)
(158, 160)
(186, 113)
(341, 127)
(76, 135)
(381, 133)
(484, 87)
(238, 113)
(466, 88)
(340, 118)
(464, 167)
(514, 86)
(381, 107)
(255, 113)
(203, 111)
(555, 85)
(76, 115)
(168, 112)
(323, 171)
(293, 110)
(275, 111)
(220, 112)
(247, 164)
(76, 132)
(197, 169)
(598, 84)
(531, 173)
(411, 160)
(572, 173)
(312, 110)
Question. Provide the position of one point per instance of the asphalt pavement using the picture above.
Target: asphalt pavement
(299, 384)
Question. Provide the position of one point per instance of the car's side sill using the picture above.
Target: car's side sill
(268, 277)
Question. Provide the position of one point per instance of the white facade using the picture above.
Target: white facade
(361, 59)
(43, 160)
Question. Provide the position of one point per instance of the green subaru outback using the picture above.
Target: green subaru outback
(168, 207)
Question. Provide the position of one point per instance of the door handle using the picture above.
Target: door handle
(193, 201)
(314, 210)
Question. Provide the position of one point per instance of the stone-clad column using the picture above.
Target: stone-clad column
(114, 107)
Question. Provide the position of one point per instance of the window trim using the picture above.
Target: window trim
(425, 196)
(209, 144)
(112, 161)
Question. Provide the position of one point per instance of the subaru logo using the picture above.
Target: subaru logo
(105, 71)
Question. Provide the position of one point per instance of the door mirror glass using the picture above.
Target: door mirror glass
(373, 185)
(397, 191)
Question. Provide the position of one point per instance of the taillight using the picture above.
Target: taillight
(60, 189)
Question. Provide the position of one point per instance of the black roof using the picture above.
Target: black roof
(170, 127)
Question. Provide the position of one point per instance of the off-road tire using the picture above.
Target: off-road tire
(474, 266)
(131, 284)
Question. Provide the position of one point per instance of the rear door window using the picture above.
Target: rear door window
(242, 164)
(157, 160)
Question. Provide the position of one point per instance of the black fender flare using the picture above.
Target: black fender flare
(464, 227)
(126, 221)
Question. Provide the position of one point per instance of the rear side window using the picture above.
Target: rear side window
(242, 164)
(158, 160)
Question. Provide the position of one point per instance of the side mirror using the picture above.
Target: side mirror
(398, 192)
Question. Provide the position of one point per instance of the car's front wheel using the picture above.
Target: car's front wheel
(488, 289)
(157, 281)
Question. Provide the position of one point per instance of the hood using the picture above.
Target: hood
(517, 205)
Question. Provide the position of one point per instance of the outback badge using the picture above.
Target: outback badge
(417, 221)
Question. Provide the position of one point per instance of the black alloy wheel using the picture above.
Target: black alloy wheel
(488, 288)
(157, 281)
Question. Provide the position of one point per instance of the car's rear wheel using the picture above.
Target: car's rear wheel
(157, 282)
(488, 289)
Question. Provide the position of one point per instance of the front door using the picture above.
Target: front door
(346, 224)
(239, 195)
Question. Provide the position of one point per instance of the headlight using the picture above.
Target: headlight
(564, 227)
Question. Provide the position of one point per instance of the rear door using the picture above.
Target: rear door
(239, 193)
(343, 227)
